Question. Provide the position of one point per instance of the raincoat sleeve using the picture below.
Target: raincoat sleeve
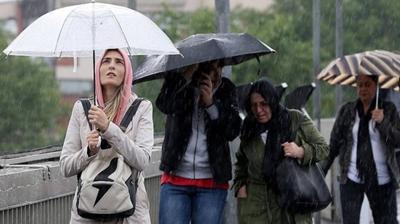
(74, 154)
(241, 173)
(389, 128)
(314, 145)
(337, 140)
(171, 98)
(229, 121)
(135, 148)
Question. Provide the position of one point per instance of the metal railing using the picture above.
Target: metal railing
(50, 210)
(33, 191)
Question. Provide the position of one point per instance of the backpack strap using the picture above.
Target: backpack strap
(86, 106)
(124, 124)
(125, 121)
(130, 113)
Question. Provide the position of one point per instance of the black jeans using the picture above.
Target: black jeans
(382, 200)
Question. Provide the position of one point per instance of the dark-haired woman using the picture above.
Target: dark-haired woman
(365, 137)
(271, 132)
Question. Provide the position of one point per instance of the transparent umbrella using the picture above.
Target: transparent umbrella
(82, 30)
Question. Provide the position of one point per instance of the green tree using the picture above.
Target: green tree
(287, 27)
(29, 100)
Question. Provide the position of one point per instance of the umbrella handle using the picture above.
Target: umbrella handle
(377, 97)
(94, 77)
(376, 103)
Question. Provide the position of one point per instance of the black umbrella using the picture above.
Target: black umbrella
(242, 92)
(298, 98)
(231, 48)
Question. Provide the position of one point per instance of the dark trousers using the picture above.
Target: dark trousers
(382, 200)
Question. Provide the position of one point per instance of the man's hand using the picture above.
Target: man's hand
(189, 70)
(206, 88)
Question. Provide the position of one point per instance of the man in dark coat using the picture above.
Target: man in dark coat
(202, 117)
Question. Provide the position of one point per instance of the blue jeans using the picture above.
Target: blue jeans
(183, 205)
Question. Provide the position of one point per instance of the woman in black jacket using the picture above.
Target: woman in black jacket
(365, 137)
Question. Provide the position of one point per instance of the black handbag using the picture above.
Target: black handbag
(301, 189)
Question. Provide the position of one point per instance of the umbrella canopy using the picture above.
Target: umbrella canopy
(80, 29)
(344, 70)
(298, 98)
(231, 48)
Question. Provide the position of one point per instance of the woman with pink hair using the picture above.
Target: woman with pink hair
(81, 145)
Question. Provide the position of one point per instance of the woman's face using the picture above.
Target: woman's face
(260, 108)
(366, 88)
(112, 69)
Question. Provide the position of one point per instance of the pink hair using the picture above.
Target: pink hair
(126, 88)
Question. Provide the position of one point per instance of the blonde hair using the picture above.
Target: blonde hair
(111, 106)
(115, 104)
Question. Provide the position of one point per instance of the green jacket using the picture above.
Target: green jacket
(248, 169)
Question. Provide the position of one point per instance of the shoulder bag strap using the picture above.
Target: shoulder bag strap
(86, 106)
(124, 124)
(130, 113)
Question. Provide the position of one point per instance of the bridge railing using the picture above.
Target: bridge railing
(33, 191)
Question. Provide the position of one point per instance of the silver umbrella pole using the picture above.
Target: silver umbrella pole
(94, 77)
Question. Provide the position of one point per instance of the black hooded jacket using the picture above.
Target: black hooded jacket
(176, 100)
